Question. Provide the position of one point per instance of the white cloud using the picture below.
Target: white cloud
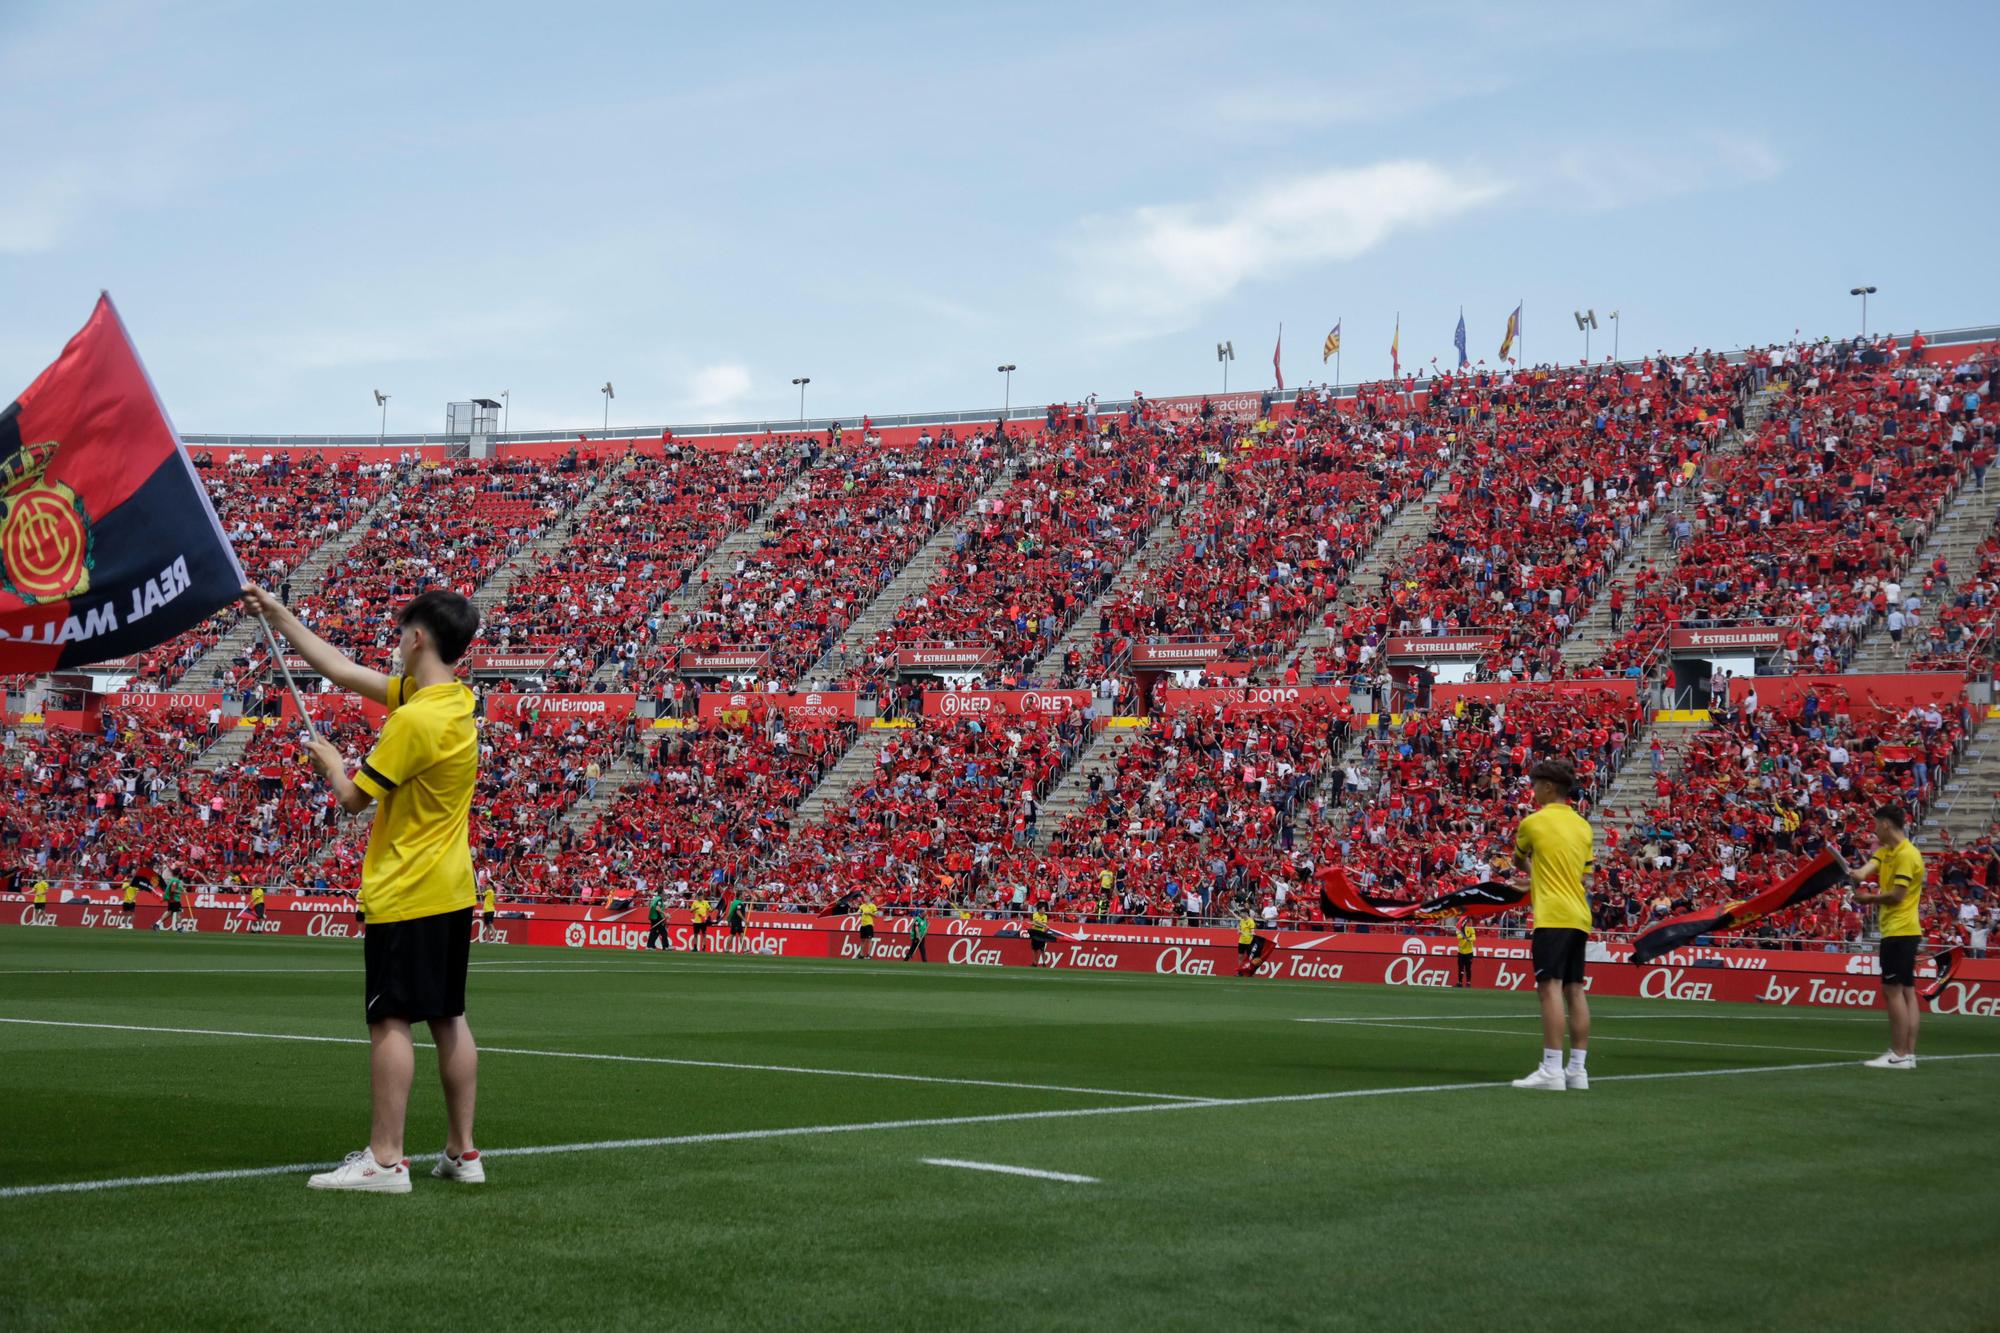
(712, 388)
(1617, 175)
(1163, 264)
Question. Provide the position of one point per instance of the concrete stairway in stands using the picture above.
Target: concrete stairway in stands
(1072, 792)
(1963, 528)
(306, 578)
(227, 750)
(912, 579)
(623, 771)
(1412, 523)
(1156, 546)
(552, 539)
(1965, 807)
(1630, 795)
(1591, 633)
(855, 767)
(720, 560)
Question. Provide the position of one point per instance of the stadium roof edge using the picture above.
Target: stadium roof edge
(1978, 333)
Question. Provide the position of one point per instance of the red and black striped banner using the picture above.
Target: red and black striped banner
(1815, 877)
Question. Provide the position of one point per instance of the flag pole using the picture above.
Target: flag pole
(271, 637)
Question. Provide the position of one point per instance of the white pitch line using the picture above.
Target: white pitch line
(998, 1169)
(936, 1122)
(631, 1059)
(1596, 1037)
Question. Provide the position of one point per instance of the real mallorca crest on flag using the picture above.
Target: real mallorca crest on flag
(108, 543)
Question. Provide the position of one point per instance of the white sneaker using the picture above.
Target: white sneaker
(1890, 1060)
(468, 1170)
(362, 1172)
(1543, 1080)
(1576, 1080)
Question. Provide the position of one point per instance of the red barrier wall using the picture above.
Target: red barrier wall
(1905, 690)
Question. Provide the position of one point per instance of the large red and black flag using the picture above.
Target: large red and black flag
(108, 544)
(1340, 900)
(1810, 880)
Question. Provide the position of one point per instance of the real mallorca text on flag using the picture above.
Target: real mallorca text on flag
(108, 544)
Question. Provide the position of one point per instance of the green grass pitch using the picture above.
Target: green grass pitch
(1731, 1166)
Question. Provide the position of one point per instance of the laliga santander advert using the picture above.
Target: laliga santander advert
(1714, 975)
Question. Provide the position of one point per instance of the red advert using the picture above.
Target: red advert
(560, 707)
(1740, 975)
(821, 708)
(1004, 703)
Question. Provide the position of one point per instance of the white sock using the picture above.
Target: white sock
(1576, 1061)
(1552, 1060)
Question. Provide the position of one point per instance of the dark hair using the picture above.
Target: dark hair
(1558, 771)
(1891, 812)
(448, 617)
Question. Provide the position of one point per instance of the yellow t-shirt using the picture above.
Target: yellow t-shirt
(256, 895)
(1558, 841)
(486, 903)
(1246, 929)
(131, 892)
(1039, 921)
(701, 910)
(868, 913)
(421, 774)
(1465, 938)
(41, 892)
(1901, 865)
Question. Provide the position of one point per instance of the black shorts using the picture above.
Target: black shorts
(736, 927)
(1899, 959)
(416, 968)
(487, 917)
(868, 932)
(1558, 955)
(131, 908)
(1038, 940)
(260, 911)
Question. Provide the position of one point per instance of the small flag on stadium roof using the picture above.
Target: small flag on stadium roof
(1396, 349)
(1278, 357)
(1513, 332)
(108, 543)
(1458, 340)
(1332, 344)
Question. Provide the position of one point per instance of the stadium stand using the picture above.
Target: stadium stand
(1820, 488)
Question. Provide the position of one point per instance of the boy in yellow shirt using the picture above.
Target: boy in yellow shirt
(416, 876)
(1898, 868)
(1555, 846)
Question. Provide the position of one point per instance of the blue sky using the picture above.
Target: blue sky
(297, 204)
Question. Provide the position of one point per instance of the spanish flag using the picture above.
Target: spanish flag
(108, 543)
(1513, 332)
(1332, 345)
(1396, 350)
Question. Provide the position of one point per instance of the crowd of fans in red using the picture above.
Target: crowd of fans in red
(1812, 526)
(603, 596)
(948, 817)
(1206, 810)
(865, 512)
(277, 510)
(1763, 788)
